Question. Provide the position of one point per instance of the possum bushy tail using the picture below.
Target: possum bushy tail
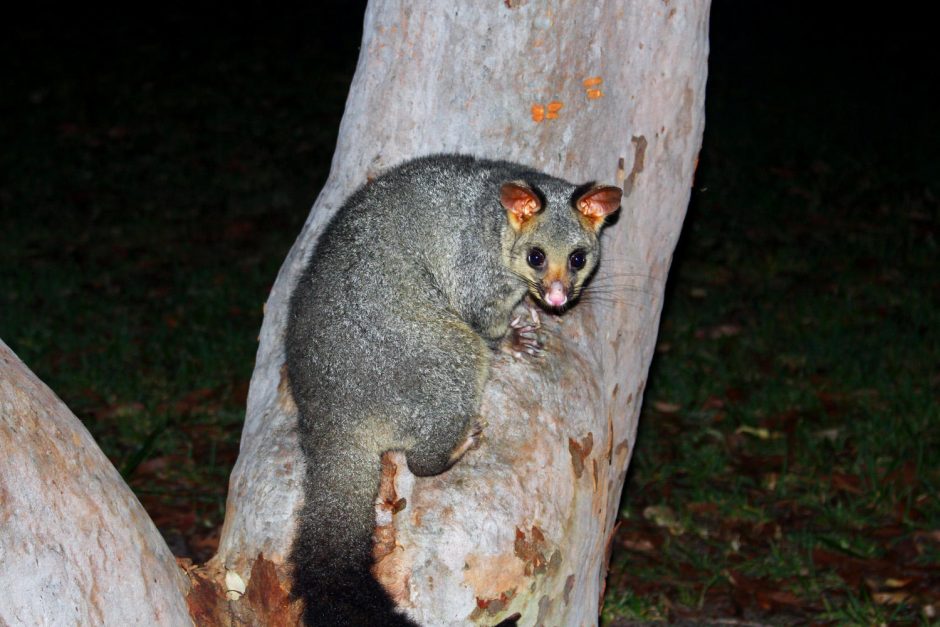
(332, 551)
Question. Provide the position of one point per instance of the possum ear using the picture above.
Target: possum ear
(520, 201)
(599, 202)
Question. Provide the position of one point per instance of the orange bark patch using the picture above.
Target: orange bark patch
(487, 608)
(546, 112)
(269, 597)
(491, 576)
(206, 599)
(538, 113)
(390, 568)
(388, 496)
(591, 85)
(579, 452)
(531, 550)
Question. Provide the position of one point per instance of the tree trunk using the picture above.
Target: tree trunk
(76, 546)
(611, 92)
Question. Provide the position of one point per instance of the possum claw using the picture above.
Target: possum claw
(525, 338)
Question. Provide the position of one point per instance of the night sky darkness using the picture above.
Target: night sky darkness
(840, 62)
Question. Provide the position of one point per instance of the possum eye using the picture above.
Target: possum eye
(577, 259)
(536, 258)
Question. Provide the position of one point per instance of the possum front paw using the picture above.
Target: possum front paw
(524, 334)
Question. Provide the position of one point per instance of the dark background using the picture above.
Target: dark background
(156, 166)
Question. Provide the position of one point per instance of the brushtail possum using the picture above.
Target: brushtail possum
(390, 335)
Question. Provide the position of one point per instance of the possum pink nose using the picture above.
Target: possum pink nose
(556, 295)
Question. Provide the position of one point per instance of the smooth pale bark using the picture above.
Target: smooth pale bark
(76, 546)
(611, 92)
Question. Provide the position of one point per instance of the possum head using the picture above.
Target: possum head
(555, 245)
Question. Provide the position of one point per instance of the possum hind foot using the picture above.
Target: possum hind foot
(473, 441)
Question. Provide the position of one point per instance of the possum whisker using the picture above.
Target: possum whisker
(610, 303)
(618, 289)
(606, 274)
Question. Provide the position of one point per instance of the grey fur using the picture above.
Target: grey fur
(391, 330)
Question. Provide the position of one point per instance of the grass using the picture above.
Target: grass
(787, 463)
